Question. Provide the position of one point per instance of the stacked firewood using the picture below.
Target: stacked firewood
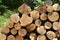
(39, 24)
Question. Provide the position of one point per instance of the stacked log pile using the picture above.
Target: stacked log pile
(42, 23)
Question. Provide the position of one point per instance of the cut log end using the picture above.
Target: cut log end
(5, 30)
(43, 16)
(19, 38)
(2, 37)
(17, 26)
(56, 26)
(51, 34)
(41, 37)
(24, 9)
(48, 25)
(49, 9)
(32, 36)
(38, 22)
(54, 16)
(10, 24)
(26, 20)
(13, 31)
(22, 32)
(31, 27)
(41, 9)
(15, 18)
(34, 14)
(10, 37)
(41, 30)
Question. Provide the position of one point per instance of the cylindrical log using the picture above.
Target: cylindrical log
(56, 26)
(41, 9)
(24, 9)
(43, 16)
(10, 24)
(17, 26)
(19, 38)
(15, 18)
(59, 31)
(54, 16)
(13, 31)
(41, 37)
(10, 37)
(25, 20)
(55, 7)
(50, 34)
(32, 36)
(54, 39)
(31, 27)
(5, 30)
(38, 22)
(48, 25)
(57, 34)
(2, 37)
(22, 32)
(58, 9)
(34, 14)
(49, 9)
(41, 30)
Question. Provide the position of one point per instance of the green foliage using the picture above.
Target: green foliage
(14, 4)
(8, 13)
(3, 21)
(37, 3)
(55, 1)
